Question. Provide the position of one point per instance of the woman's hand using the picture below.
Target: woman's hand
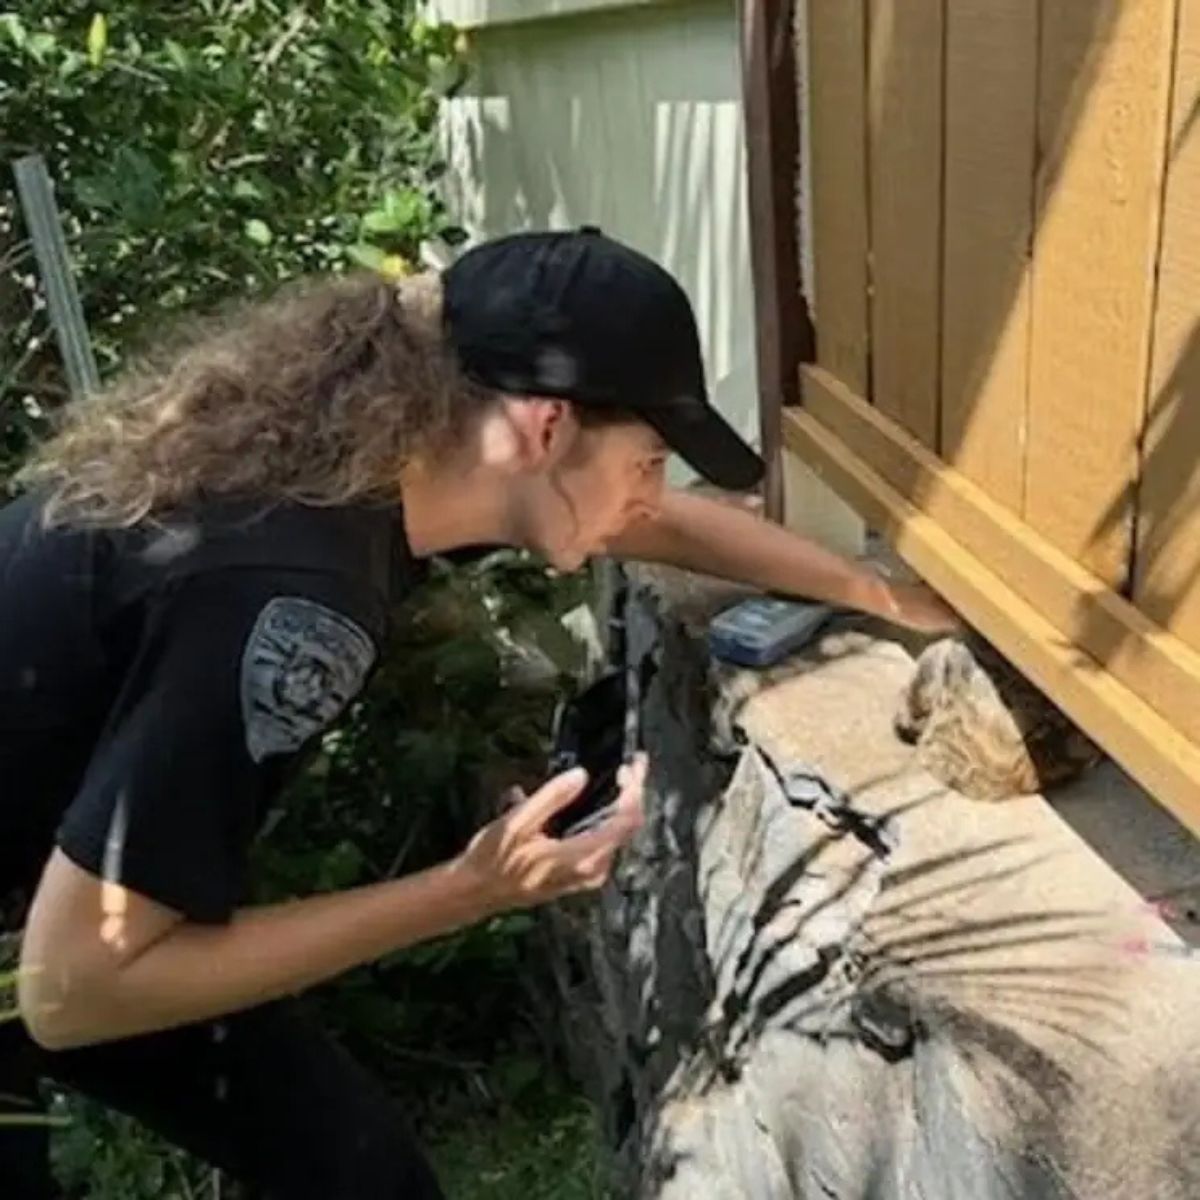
(917, 606)
(519, 866)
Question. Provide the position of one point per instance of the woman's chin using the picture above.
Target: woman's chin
(567, 559)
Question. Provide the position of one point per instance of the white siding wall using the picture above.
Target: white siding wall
(626, 115)
(629, 119)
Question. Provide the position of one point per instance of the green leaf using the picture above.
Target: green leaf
(515, 1075)
(129, 186)
(402, 211)
(40, 45)
(259, 232)
(366, 255)
(247, 189)
(341, 867)
(71, 61)
(15, 28)
(512, 924)
(177, 54)
(97, 39)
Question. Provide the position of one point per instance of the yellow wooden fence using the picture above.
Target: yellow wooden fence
(1006, 225)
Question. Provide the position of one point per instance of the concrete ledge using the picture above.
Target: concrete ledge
(763, 1006)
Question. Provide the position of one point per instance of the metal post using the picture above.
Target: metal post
(50, 248)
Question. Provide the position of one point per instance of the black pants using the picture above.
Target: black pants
(265, 1095)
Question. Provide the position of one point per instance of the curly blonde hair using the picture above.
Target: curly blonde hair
(320, 395)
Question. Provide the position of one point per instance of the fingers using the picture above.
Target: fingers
(510, 798)
(597, 849)
(609, 835)
(591, 848)
(593, 863)
(547, 800)
(582, 862)
(595, 875)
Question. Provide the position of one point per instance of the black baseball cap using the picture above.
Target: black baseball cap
(582, 317)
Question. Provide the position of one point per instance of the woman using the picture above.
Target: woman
(198, 581)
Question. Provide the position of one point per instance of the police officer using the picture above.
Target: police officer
(196, 582)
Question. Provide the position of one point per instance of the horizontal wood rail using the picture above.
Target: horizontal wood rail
(1123, 679)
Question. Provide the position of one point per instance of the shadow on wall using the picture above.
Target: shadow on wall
(631, 121)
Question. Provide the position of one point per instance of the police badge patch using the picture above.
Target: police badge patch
(303, 663)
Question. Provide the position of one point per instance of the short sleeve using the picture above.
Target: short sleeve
(236, 673)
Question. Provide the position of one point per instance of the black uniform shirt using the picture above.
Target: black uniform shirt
(158, 684)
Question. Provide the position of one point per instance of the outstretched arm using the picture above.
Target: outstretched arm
(726, 540)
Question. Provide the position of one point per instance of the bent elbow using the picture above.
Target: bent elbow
(81, 936)
(46, 1034)
(55, 1015)
(59, 1028)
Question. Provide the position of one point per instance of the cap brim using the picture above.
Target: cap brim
(708, 444)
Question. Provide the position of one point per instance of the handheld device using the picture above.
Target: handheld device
(763, 630)
(600, 729)
(590, 732)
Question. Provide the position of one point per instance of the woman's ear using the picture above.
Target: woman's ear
(556, 418)
(541, 425)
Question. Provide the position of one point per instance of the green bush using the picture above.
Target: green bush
(207, 150)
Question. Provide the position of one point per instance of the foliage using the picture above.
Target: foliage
(452, 721)
(105, 1155)
(399, 781)
(522, 1136)
(541, 1146)
(207, 150)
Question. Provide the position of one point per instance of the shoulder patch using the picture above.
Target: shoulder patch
(302, 664)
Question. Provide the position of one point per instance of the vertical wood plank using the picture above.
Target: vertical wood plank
(1168, 554)
(1103, 88)
(991, 112)
(804, 174)
(837, 129)
(906, 71)
(785, 335)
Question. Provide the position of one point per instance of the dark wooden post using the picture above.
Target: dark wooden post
(784, 327)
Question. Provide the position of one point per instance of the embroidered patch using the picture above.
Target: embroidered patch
(302, 665)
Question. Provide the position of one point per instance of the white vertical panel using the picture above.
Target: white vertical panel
(632, 120)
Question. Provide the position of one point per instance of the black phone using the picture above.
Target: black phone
(600, 727)
(592, 730)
